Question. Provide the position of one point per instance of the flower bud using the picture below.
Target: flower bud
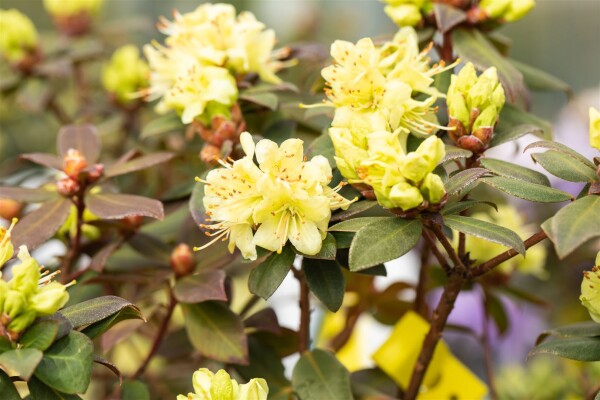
(133, 222)
(19, 37)
(594, 129)
(67, 187)
(404, 14)
(49, 299)
(405, 196)
(433, 189)
(432, 150)
(73, 163)
(182, 260)
(507, 10)
(590, 291)
(3, 293)
(15, 303)
(95, 173)
(6, 247)
(73, 17)
(26, 274)
(474, 106)
(125, 74)
(22, 321)
(9, 209)
(256, 389)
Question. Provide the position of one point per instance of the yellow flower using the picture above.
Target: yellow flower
(125, 74)
(6, 247)
(72, 7)
(220, 386)
(590, 290)
(594, 128)
(446, 376)
(508, 217)
(284, 197)
(19, 36)
(405, 12)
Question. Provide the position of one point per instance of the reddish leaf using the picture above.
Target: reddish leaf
(37, 227)
(138, 164)
(117, 206)
(264, 320)
(45, 159)
(99, 260)
(26, 195)
(207, 285)
(79, 137)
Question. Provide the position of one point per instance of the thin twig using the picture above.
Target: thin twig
(487, 355)
(436, 252)
(304, 302)
(420, 305)
(437, 231)
(248, 306)
(507, 255)
(344, 335)
(160, 335)
(75, 245)
(58, 111)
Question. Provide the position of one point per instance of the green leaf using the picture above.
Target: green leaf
(83, 138)
(40, 335)
(206, 285)
(98, 328)
(546, 144)
(485, 230)
(538, 79)
(455, 153)
(574, 348)
(264, 363)
(41, 391)
(67, 364)
(460, 206)
(216, 332)
(473, 46)
(582, 329)
(565, 167)
(265, 99)
(495, 308)
(280, 130)
(117, 206)
(328, 249)
(319, 375)
(138, 164)
(513, 117)
(355, 224)
(510, 170)
(267, 277)
(383, 241)
(463, 182)
(322, 146)
(326, 280)
(90, 311)
(447, 17)
(508, 134)
(20, 362)
(527, 190)
(135, 390)
(40, 225)
(354, 209)
(7, 388)
(343, 240)
(112, 367)
(162, 125)
(574, 225)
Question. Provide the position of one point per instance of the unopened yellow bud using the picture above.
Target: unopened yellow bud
(22, 321)
(26, 274)
(507, 10)
(49, 299)
(15, 303)
(3, 293)
(125, 74)
(18, 36)
(405, 196)
(433, 189)
(518, 9)
(404, 14)
(432, 150)
(72, 7)
(595, 130)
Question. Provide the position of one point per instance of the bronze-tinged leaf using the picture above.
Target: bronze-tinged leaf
(138, 164)
(447, 17)
(37, 227)
(117, 206)
(45, 159)
(204, 286)
(26, 195)
(79, 137)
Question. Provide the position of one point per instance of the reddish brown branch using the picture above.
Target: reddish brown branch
(304, 302)
(420, 305)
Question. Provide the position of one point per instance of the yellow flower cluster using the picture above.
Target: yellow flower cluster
(220, 386)
(29, 294)
(590, 290)
(18, 36)
(205, 51)
(125, 74)
(407, 12)
(283, 197)
(508, 217)
(594, 128)
(507, 10)
(373, 88)
(72, 7)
